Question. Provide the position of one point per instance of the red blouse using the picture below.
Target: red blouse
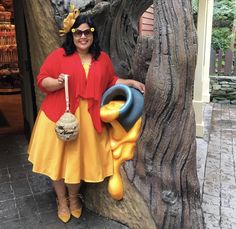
(100, 77)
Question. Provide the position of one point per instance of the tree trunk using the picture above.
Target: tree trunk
(161, 184)
(166, 162)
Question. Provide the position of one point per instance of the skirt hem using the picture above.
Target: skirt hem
(71, 182)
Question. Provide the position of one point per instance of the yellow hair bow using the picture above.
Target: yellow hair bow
(69, 20)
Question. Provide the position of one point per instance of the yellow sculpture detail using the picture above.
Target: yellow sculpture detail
(69, 21)
(122, 144)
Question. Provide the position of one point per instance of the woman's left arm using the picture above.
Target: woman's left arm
(132, 83)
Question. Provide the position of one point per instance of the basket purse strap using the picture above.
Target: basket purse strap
(67, 93)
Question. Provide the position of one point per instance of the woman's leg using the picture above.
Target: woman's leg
(60, 189)
(63, 209)
(73, 189)
(74, 199)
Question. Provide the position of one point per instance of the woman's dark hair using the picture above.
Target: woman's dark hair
(69, 45)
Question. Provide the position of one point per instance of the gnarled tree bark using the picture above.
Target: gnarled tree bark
(161, 184)
(166, 161)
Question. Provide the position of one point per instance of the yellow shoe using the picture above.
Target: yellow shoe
(63, 212)
(75, 205)
(76, 213)
(64, 217)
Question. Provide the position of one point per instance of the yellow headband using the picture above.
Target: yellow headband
(69, 20)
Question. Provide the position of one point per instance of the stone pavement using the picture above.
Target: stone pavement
(216, 166)
(27, 199)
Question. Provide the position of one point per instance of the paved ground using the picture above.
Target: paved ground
(216, 166)
(27, 200)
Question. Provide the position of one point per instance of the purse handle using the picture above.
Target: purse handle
(67, 93)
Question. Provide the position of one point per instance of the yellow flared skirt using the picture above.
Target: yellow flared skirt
(88, 158)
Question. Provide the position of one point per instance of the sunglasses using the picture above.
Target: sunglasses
(79, 33)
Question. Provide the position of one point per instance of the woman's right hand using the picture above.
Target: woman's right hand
(61, 78)
(53, 84)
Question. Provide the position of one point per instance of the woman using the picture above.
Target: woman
(88, 158)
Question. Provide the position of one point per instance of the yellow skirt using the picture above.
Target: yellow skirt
(88, 158)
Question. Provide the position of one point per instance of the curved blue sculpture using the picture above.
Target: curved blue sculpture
(133, 107)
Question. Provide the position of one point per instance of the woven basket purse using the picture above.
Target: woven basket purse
(67, 127)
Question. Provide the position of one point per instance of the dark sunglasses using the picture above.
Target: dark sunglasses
(79, 33)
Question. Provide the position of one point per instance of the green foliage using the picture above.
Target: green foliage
(195, 4)
(221, 38)
(223, 17)
(224, 12)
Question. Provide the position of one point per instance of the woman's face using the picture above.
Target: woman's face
(83, 38)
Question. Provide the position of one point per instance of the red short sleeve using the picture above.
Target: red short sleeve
(50, 67)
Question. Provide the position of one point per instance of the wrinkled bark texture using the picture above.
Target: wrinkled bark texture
(166, 161)
(161, 184)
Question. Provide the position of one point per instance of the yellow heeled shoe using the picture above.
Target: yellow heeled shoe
(63, 212)
(76, 213)
(75, 205)
(64, 217)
